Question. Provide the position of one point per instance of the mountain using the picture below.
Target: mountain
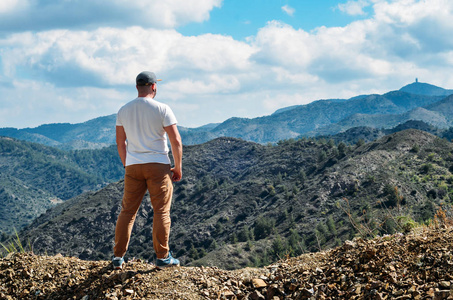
(416, 101)
(420, 88)
(438, 114)
(34, 177)
(93, 134)
(319, 114)
(245, 204)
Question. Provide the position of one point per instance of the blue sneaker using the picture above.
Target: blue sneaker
(170, 261)
(117, 263)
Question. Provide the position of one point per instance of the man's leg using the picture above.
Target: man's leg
(160, 188)
(134, 190)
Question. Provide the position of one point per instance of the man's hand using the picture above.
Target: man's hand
(176, 174)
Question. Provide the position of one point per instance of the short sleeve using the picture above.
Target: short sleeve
(118, 121)
(169, 117)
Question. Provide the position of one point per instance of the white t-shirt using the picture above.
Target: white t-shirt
(143, 120)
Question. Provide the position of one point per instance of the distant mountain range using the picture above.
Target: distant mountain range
(416, 101)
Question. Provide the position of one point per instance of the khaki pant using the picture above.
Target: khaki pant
(156, 178)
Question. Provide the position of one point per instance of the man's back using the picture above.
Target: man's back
(143, 120)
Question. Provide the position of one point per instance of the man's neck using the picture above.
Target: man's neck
(146, 95)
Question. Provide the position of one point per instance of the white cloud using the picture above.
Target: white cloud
(9, 6)
(31, 103)
(110, 57)
(397, 36)
(354, 7)
(77, 75)
(289, 10)
(50, 14)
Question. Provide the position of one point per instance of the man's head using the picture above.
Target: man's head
(146, 78)
(146, 84)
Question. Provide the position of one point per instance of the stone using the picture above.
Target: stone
(258, 283)
(129, 291)
(229, 294)
(24, 293)
(348, 245)
(307, 292)
(441, 295)
(272, 291)
(256, 296)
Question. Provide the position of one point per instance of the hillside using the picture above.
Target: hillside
(438, 114)
(33, 178)
(355, 135)
(412, 266)
(416, 101)
(245, 204)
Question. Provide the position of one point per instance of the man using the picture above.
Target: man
(141, 129)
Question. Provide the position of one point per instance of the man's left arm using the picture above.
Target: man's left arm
(176, 150)
(121, 143)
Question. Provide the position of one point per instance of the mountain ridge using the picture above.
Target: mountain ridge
(316, 118)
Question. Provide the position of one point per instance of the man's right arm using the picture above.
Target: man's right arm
(176, 150)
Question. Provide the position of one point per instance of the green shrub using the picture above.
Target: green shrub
(263, 227)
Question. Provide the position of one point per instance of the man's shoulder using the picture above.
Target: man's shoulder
(162, 107)
(129, 103)
(156, 102)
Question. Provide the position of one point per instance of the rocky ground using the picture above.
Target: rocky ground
(418, 265)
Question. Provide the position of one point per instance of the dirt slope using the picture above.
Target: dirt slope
(418, 265)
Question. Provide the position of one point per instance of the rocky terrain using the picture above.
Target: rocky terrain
(417, 265)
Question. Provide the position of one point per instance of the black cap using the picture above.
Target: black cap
(146, 78)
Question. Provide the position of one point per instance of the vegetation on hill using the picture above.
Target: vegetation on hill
(368, 134)
(34, 178)
(245, 204)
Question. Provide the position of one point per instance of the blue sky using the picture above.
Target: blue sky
(74, 60)
(241, 19)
